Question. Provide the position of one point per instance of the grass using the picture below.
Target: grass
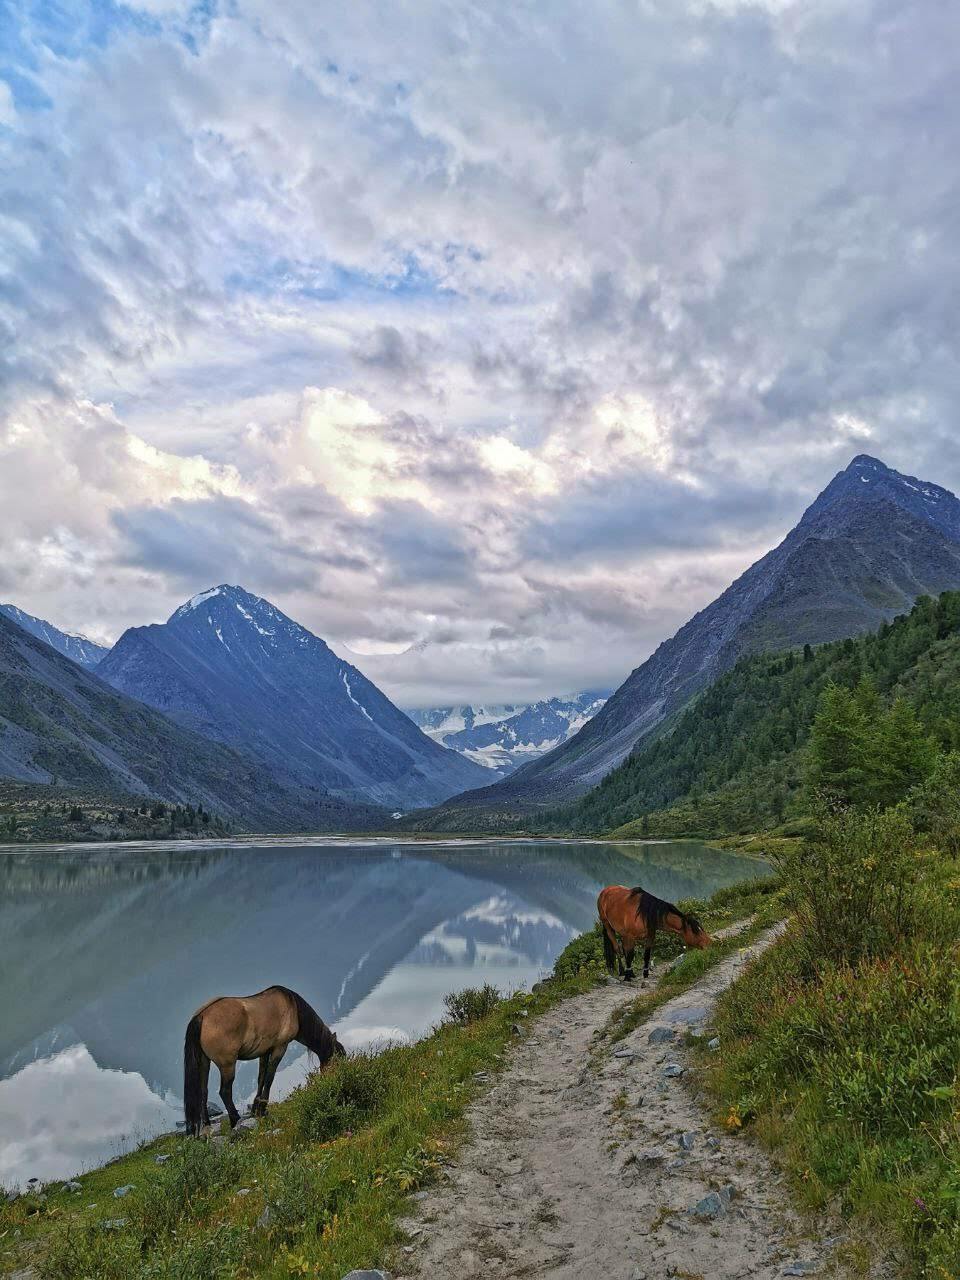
(850, 1070)
(317, 1189)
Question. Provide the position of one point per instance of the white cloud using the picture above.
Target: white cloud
(517, 334)
(8, 111)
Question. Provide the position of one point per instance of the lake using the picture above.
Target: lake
(105, 952)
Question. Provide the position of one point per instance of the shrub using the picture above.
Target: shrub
(471, 1004)
(582, 955)
(347, 1095)
(854, 887)
(935, 805)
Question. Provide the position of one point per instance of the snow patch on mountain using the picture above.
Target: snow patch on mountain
(501, 737)
(196, 601)
(346, 685)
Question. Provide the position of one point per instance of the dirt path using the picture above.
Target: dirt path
(575, 1171)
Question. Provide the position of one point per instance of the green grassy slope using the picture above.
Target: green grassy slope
(733, 760)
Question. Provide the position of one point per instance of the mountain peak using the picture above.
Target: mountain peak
(865, 462)
(865, 549)
(224, 590)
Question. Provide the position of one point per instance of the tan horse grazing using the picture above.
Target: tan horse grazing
(631, 915)
(233, 1028)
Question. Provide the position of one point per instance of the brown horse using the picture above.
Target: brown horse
(245, 1027)
(631, 915)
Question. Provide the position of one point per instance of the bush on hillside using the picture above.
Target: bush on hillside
(347, 1095)
(935, 805)
(471, 1004)
(855, 888)
(582, 955)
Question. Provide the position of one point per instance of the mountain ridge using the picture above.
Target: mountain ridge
(76, 647)
(877, 538)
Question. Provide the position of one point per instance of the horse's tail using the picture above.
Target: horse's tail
(609, 951)
(193, 1056)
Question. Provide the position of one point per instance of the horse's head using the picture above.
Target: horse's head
(693, 933)
(338, 1049)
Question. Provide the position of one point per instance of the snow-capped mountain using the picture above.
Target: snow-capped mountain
(77, 648)
(233, 667)
(502, 738)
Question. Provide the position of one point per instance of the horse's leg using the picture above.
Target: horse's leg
(259, 1102)
(227, 1072)
(628, 949)
(204, 1085)
(646, 961)
(273, 1061)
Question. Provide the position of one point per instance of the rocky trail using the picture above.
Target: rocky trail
(611, 1167)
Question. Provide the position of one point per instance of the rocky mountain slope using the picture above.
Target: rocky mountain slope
(60, 724)
(231, 666)
(868, 546)
(502, 738)
(77, 648)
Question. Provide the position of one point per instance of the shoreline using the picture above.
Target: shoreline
(277, 840)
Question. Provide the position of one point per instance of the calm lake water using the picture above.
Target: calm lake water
(106, 951)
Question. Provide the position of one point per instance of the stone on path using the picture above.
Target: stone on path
(124, 1190)
(711, 1206)
(368, 1275)
(686, 1014)
(714, 1044)
(801, 1268)
(672, 1070)
(660, 1035)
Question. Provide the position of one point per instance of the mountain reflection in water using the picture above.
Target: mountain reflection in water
(105, 953)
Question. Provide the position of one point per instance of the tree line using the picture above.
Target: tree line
(866, 720)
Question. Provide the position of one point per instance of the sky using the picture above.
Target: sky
(505, 334)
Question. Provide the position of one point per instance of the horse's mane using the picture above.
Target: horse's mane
(313, 1031)
(655, 910)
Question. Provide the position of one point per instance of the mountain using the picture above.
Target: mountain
(61, 724)
(871, 543)
(502, 738)
(77, 648)
(231, 666)
(735, 758)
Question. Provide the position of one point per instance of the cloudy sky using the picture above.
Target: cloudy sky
(510, 331)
